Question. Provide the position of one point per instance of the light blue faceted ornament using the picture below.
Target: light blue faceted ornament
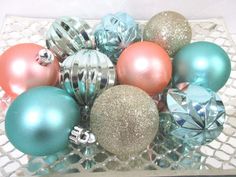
(115, 33)
(67, 35)
(198, 114)
(87, 74)
(40, 120)
(173, 148)
(202, 63)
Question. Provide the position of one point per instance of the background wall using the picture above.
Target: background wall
(140, 9)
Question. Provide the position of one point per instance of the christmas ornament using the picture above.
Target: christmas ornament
(145, 65)
(87, 74)
(124, 120)
(28, 65)
(202, 63)
(170, 30)
(198, 114)
(39, 121)
(115, 33)
(68, 35)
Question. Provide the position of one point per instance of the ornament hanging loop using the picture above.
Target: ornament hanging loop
(80, 136)
(45, 57)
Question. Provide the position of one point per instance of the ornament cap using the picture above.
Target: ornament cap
(81, 136)
(45, 57)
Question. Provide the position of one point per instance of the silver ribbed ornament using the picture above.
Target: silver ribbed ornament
(68, 35)
(87, 74)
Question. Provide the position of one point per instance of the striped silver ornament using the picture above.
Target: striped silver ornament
(68, 35)
(87, 74)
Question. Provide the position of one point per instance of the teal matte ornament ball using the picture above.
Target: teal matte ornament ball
(202, 63)
(40, 120)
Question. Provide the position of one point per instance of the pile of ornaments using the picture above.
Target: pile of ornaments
(111, 85)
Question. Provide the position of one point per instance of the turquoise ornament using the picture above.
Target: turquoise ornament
(202, 63)
(40, 120)
(115, 33)
(197, 115)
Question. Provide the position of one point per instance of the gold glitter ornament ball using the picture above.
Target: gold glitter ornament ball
(124, 120)
(168, 29)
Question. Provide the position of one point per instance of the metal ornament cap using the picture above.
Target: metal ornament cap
(81, 136)
(198, 113)
(45, 57)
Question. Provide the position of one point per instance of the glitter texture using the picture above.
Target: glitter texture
(170, 30)
(124, 119)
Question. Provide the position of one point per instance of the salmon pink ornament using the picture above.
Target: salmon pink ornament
(145, 65)
(27, 65)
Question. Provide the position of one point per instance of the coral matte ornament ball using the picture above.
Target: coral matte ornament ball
(27, 65)
(145, 65)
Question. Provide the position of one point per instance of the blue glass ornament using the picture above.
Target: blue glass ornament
(202, 63)
(40, 120)
(115, 33)
(198, 114)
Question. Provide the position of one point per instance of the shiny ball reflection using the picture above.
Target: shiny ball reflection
(202, 63)
(39, 121)
(145, 65)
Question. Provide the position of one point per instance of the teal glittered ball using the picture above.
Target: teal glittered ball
(39, 121)
(202, 63)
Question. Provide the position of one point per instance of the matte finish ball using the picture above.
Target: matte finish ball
(145, 65)
(20, 69)
(202, 63)
(124, 120)
(40, 120)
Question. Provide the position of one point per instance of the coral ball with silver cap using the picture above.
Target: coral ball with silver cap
(45, 57)
(27, 65)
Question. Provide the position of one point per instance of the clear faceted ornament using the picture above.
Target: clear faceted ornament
(198, 114)
(182, 155)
